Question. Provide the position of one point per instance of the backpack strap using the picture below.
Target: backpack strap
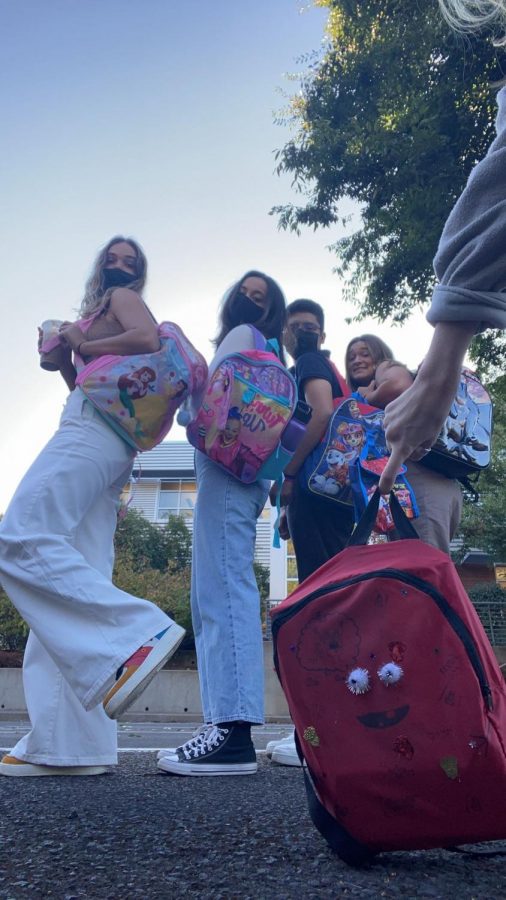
(365, 525)
(262, 343)
(345, 389)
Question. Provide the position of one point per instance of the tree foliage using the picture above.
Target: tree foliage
(150, 546)
(393, 115)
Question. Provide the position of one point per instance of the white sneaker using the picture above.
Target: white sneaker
(198, 736)
(278, 742)
(285, 754)
(11, 765)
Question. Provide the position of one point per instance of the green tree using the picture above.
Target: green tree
(483, 523)
(393, 115)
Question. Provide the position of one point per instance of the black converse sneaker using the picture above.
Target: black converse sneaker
(222, 751)
(196, 738)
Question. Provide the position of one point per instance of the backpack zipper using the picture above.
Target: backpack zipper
(444, 607)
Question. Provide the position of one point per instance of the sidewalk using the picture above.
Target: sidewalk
(140, 835)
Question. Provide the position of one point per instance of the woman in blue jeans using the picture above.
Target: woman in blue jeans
(224, 597)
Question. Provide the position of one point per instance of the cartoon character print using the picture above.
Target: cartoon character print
(226, 444)
(135, 386)
(352, 435)
(338, 460)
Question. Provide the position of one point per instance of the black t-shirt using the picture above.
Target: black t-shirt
(316, 365)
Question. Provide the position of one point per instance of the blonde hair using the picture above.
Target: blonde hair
(94, 293)
(474, 15)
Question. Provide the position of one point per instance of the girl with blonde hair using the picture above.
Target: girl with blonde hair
(92, 648)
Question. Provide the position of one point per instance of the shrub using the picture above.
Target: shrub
(13, 630)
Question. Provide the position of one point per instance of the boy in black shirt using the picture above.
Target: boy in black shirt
(318, 529)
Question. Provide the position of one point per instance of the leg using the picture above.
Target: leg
(197, 623)
(226, 594)
(63, 733)
(319, 529)
(87, 625)
(439, 502)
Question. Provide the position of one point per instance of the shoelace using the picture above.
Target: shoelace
(214, 737)
(198, 736)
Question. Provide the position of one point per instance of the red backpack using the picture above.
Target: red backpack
(398, 701)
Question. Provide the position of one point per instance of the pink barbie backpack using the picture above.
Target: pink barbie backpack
(138, 395)
(249, 401)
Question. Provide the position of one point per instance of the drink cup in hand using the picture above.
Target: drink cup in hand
(51, 350)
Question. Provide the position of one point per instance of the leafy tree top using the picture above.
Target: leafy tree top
(394, 115)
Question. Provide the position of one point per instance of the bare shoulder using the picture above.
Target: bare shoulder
(123, 295)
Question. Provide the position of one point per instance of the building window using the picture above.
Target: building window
(176, 498)
(291, 568)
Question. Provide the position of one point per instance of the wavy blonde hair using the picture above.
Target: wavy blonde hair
(94, 293)
(474, 15)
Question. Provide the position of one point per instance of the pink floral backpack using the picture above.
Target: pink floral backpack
(138, 395)
(248, 402)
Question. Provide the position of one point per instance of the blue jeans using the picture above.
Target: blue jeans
(224, 598)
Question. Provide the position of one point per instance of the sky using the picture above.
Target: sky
(157, 120)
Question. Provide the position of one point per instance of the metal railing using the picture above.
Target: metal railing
(492, 614)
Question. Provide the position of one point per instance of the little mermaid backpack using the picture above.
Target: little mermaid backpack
(246, 410)
(138, 395)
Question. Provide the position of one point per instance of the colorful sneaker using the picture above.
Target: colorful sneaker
(198, 736)
(279, 741)
(223, 751)
(136, 673)
(285, 754)
(18, 768)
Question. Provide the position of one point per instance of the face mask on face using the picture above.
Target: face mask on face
(244, 311)
(116, 278)
(306, 342)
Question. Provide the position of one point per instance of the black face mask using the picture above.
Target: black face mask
(244, 311)
(116, 278)
(307, 342)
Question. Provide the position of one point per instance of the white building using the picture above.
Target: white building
(163, 484)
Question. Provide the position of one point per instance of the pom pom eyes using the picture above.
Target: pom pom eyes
(358, 681)
(390, 673)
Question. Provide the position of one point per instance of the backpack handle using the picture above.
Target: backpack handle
(365, 524)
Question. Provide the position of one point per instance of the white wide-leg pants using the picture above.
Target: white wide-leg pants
(63, 510)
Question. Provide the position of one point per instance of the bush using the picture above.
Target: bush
(13, 631)
(170, 590)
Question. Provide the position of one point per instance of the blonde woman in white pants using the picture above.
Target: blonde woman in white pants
(92, 647)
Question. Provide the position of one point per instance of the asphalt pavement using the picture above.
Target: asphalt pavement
(137, 834)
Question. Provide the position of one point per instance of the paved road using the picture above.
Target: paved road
(141, 835)
(147, 735)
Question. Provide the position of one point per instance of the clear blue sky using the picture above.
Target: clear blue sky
(154, 119)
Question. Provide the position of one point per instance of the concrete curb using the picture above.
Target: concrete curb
(172, 696)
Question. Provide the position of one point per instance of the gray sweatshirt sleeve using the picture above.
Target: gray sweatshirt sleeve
(470, 263)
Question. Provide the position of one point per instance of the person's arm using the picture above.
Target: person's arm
(390, 382)
(412, 422)
(69, 374)
(140, 333)
(318, 394)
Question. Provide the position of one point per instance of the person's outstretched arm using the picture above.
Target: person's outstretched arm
(470, 266)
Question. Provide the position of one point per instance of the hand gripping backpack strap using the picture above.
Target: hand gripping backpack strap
(365, 525)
